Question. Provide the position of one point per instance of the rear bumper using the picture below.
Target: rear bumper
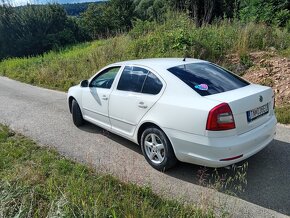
(208, 152)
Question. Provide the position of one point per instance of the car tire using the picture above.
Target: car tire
(77, 114)
(157, 149)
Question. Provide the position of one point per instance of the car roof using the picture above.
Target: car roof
(160, 63)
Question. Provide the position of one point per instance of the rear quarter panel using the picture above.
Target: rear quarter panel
(180, 108)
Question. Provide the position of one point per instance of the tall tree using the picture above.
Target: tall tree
(94, 21)
(120, 13)
(32, 29)
(151, 9)
(108, 19)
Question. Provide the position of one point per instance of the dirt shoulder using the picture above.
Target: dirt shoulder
(271, 70)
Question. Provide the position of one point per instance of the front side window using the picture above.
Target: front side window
(105, 78)
(207, 79)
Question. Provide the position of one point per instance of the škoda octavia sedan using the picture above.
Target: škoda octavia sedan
(178, 109)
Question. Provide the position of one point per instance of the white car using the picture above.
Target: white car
(178, 109)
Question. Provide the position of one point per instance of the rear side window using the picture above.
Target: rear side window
(137, 79)
(152, 85)
(207, 79)
(132, 79)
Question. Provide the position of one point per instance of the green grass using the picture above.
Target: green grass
(38, 182)
(283, 114)
(286, 52)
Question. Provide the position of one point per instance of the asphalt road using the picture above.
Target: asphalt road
(43, 115)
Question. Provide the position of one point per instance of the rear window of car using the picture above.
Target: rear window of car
(137, 79)
(152, 85)
(132, 79)
(207, 78)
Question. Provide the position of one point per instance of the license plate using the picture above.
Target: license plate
(257, 112)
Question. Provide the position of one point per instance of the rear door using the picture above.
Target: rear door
(137, 91)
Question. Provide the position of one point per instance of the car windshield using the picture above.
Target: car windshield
(206, 78)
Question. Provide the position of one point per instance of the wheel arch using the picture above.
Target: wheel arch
(142, 128)
(147, 124)
(70, 100)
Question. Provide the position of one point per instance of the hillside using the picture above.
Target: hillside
(72, 9)
(177, 37)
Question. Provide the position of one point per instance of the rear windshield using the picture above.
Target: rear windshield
(207, 78)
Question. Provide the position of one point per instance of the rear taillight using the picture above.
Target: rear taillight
(220, 118)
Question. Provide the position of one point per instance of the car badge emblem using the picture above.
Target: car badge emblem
(203, 87)
(261, 98)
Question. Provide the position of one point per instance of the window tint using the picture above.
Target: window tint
(105, 78)
(207, 78)
(132, 79)
(152, 84)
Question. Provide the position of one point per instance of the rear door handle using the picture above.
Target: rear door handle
(142, 105)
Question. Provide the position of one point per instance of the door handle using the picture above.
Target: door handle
(105, 97)
(141, 105)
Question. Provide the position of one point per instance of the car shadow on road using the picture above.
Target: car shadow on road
(88, 127)
(267, 174)
(267, 177)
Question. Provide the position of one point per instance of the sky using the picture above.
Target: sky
(24, 2)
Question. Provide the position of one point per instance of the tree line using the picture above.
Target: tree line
(35, 29)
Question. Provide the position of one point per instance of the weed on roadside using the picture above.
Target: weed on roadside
(232, 181)
(283, 114)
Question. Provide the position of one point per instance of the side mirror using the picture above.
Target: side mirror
(84, 83)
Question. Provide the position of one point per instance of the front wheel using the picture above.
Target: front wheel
(157, 149)
(77, 114)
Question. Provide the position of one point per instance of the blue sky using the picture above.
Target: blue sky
(24, 2)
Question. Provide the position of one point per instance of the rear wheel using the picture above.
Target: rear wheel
(157, 149)
(77, 114)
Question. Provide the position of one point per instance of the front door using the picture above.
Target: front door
(95, 98)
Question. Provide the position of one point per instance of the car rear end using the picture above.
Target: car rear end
(240, 124)
(251, 128)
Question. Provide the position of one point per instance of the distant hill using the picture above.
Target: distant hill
(73, 9)
(70, 1)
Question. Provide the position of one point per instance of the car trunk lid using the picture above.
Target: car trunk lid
(249, 105)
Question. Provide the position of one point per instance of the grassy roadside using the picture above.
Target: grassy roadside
(38, 182)
(283, 114)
